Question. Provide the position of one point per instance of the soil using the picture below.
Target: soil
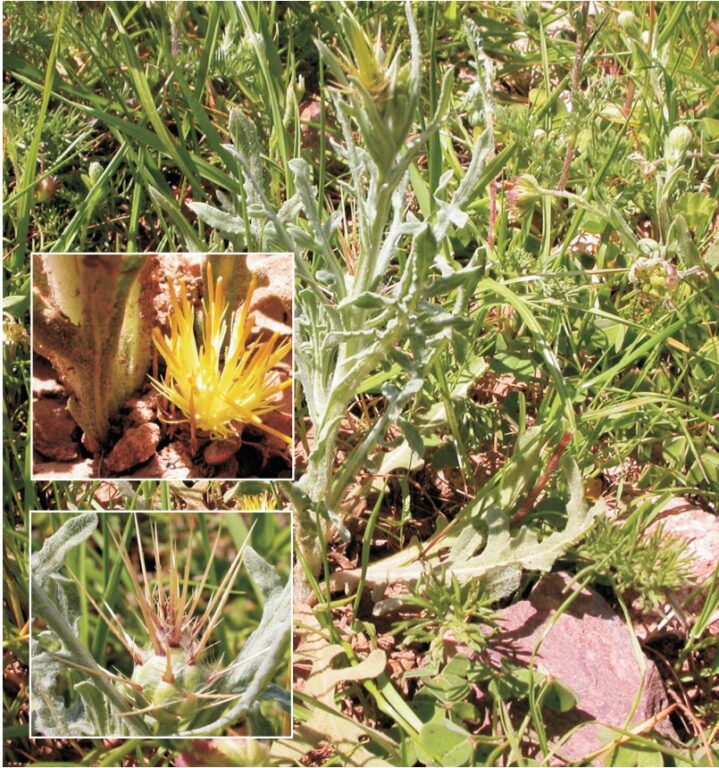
(143, 443)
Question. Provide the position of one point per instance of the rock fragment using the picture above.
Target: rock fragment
(136, 446)
(142, 408)
(590, 650)
(173, 462)
(698, 531)
(220, 451)
(53, 427)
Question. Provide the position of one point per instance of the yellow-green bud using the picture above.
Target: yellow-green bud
(523, 193)
(677, 144)
(94, 172)
(627, 20)
(172, 697)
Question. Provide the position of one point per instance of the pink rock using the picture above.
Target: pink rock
(79, 469)
(681, 519)
(272, 299)
(176, 461)
(310, 112)
(136, 446)
(142, 408)
(589, 650)
(699, 531)
(280, 419)
(44, 379)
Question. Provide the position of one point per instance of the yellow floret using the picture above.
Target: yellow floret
(217, 390)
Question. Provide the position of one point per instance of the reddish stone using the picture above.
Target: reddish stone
(589, 649)
(142, 408)
(220, 451)
(271, 306)
(44, 379)
(281, 418)
(79, 469)
(136, 446)
(173, 462)
(681, 519)
(698, 530)
(52, 429)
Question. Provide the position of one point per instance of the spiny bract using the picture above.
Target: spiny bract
(171, 682)
(216, 392)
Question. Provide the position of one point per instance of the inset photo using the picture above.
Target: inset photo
(162, 366)
(154, 624)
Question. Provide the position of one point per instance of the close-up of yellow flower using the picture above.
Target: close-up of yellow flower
(216, 389)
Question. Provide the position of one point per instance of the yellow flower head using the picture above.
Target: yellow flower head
(218, 390)
(252, 503)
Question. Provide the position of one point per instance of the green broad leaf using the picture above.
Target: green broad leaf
(16, 305)
(558, 697)
(407, 754)
(51, 557)
(697, 209)
(425, 705)
(220, 220)
(508, 552)
(464, 710)
(55, 600)
(445, 457)
(96, 707)
(705, 469)
(451, 742)
(711, 257)
(635, 756)
(459, 279)
(513, 682)
(403, 457)
(373, 384)
(412, 435)
(368, 300)
(448, 688)
(710, 128)
(275, 621)
(520, 365)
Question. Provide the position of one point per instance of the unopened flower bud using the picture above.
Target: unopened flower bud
(677, 144)
(46, 189)
(627, 20)
(94, 172)
(523, 193)
(654, 275)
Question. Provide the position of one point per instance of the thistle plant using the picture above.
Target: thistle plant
(384, 293)
(358, 314)
(92, 318)
(178, 685)
(217, 389)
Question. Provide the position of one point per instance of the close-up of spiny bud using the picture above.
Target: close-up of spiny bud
(168, 666)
